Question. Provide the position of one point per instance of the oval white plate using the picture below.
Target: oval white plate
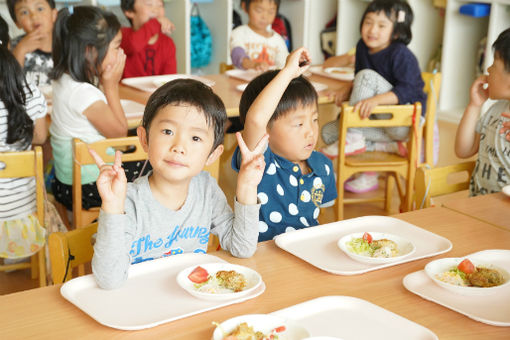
(442, 265)
(506, 190)
(317, 86)
(263, 323)
(253, 281)
(346, 73)
(161, 80)
(405, 247)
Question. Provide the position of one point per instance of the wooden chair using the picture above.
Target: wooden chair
(431, 182)
(224, 67)
(394, 165)
(432, 88)
(83, 217)
(28, 164)
(70, 250)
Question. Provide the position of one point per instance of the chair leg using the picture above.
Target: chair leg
(34, 266)
(340, 199)
(41, 256)
(62, 211)
(390, 185)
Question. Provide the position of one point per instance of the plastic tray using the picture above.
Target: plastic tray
(339, 76)
(490, 309)
(150, 297)
(318, 245)
(151, 83)
(347, 317)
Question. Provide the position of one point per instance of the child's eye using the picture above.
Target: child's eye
(167, 132)
(196, 139)
(23, 13)
(40, 9)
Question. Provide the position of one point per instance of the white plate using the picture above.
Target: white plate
(490, 309)
(151, 83)
(253, 281)
(405, 247)
(347, 317)
(317, 86)
(131, 108)
(150, 296)
(506, 190)
(318, 245)
(264, 323)
(432, 269)
(346, 74)
(246, 75)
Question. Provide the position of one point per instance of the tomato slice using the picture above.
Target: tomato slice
(367, 237)
(198, 275)
(280, 329)
(466, 266)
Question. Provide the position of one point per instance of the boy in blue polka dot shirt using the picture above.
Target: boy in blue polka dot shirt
(297, 180)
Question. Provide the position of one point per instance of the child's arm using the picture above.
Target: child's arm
(366, 106)
(467, 140)
(266, 102)
(135, 41)
(343, 60)
(40, 131)
(29, 43)
(167, 27)
(109, 119)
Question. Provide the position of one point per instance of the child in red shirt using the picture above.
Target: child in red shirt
(147, 43)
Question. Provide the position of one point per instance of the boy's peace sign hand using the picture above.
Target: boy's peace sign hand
(252, 162)
(111, 183)
(298, 62)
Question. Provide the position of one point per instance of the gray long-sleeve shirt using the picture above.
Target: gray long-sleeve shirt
(148, 230)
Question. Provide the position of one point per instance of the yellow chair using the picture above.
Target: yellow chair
(28, 164)
(83, 217)
(224, 67)
(432, 88)
(431, 182)
(394, 165)
(70, 250)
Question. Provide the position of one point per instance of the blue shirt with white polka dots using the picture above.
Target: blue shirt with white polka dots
(291, 200)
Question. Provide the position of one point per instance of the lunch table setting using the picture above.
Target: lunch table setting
(305, 284)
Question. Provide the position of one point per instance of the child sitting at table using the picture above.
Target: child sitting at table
(149, 49)
(23, 122)
(175, 208)
(256, 45)
(482, 134)
(87, 54)
(297, 181)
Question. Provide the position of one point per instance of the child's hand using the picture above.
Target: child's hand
(112, 73)
(252, 162)
(111, 183)
(341, 95)
(30, 42)
(506, 126)
(167, 27)
(477, 94)
(365, 107)
(298, 62)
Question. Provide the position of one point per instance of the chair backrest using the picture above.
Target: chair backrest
(28, 164)
(69, 250)
(82, 157)
(431, 182)
(432, 88)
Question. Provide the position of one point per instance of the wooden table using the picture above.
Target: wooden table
(43, 313)
(225, 88)
(492, 208)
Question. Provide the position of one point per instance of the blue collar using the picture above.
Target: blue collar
(315, 163)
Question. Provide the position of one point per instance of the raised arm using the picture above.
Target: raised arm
(467, 139)
(266, 102)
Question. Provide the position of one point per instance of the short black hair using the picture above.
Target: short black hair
(391, 8)
(4, 33)
(87, 27)
(248, 2)
(299, 92)
(193, 93)
(502, 48)
(127, 5)
(12, 3)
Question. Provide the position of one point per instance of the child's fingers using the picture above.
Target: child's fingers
(99, 161)
(506, 115)
(118, 160)
(242, 145)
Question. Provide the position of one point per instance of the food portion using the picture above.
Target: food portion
(367, 246)
(467, 275)
(220, 283)
(245, 332)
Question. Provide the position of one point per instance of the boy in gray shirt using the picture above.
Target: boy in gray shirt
(173, 209)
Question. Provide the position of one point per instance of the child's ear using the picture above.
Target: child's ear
(215, 155)
(54, 14)
(142, 137)
(243, 6)
(129, 14)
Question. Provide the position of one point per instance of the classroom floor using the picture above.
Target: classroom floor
(20, 280)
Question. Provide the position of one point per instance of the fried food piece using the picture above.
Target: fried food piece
(485, 277)
(231, 280)
(245, 332)
(384, 248)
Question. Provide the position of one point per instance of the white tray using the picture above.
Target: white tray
(246, 75)
(150, 297)
(151, 83)
(131, 108)
(316, 85)
(490, 309)
(348, 317)
(318, 245)
(339, 76)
